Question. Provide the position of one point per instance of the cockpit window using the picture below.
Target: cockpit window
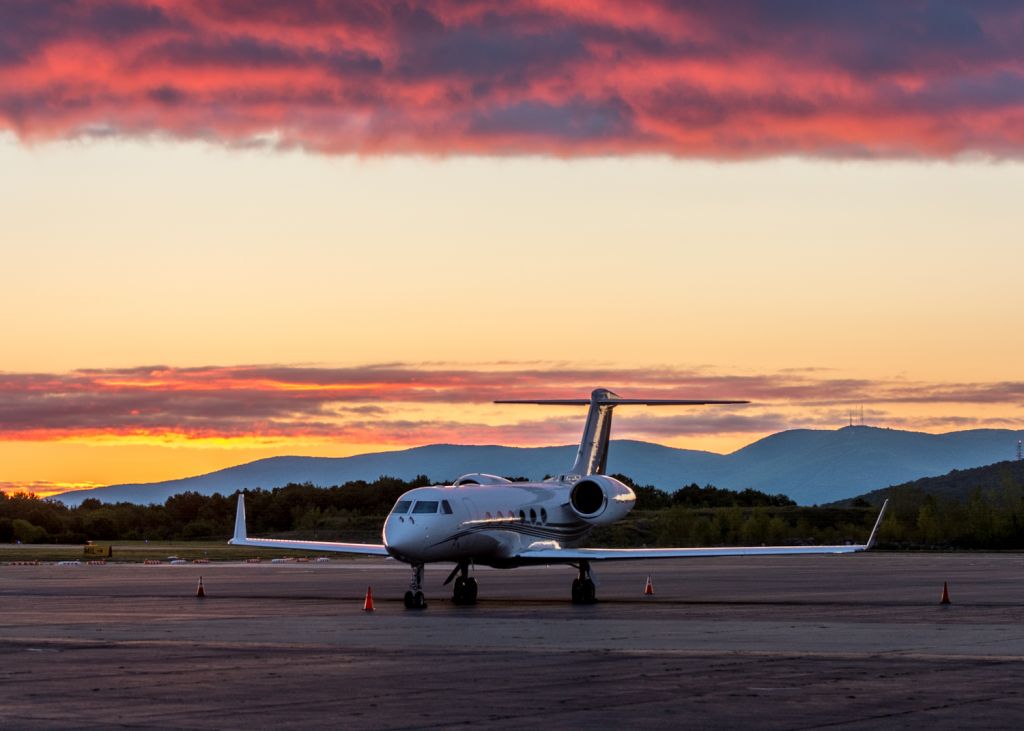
(402, 507)
(446, 507)
(425, 506)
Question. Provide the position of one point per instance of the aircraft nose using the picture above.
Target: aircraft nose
(400, 535)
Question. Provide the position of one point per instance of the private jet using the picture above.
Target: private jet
(488, 520)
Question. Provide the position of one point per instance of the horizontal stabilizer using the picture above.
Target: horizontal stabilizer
(592, 455)
(615, 402)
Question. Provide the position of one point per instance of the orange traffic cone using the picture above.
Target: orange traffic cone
(200, 592)
(945, 593)
(368, 602)
(649, 589)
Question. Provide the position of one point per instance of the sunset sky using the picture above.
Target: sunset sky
(237, 230)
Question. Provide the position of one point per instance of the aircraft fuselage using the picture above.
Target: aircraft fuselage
(487, 524)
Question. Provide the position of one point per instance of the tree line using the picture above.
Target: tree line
(988, 518)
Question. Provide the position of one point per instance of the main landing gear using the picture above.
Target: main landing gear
(414, 598)
(464, 591)
(583, 589)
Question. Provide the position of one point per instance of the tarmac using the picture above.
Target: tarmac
(789, 642)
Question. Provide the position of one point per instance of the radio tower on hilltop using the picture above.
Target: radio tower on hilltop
(1020, 450)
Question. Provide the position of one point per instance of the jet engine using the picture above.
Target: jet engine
(600, 500)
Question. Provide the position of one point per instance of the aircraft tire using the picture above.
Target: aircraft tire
(588, 592)
(459, 591)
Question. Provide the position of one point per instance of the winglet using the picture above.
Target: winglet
(874, 531)
(239, 536)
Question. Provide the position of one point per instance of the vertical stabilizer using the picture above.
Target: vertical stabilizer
(592, 455)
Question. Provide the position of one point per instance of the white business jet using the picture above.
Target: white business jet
(489, 520)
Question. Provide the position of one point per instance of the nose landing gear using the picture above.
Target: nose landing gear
(583, 589)
(414, 598)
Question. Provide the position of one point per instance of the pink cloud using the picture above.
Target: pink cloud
(371, 404)
(707, 79)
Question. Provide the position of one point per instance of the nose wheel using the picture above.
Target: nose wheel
(464, 589)
(583, 589)
(414, 598)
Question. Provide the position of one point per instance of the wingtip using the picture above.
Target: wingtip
(878, 522)
(240, 533)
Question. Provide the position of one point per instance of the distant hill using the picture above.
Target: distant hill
(648, 463)
(817, 466)
(810, 466)
(954, 485)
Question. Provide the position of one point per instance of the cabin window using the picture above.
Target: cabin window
(425, 506)
(402, 507)
(543, 516)
(533, 515)
(522, 516)
(446, 507)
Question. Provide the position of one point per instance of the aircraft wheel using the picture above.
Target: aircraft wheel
(588, 592)
(459, 591)
(577, 593)
(419, 601)
(470, 591)
(409, 599)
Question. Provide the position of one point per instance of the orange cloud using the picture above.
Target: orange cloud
(405, 404)
(721, 80)
(42, 488)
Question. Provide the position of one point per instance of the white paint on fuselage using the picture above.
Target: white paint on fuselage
(489, 524)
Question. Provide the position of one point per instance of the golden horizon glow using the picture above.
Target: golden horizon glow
(187, 256)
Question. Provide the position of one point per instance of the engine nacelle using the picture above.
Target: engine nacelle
(600, 500)
(479, 478)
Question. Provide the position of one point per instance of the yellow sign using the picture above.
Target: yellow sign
(92, 551)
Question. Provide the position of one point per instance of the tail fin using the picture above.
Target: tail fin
(592, 455)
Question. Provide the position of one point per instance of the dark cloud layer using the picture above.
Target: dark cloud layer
(372, 403)
(921, 78)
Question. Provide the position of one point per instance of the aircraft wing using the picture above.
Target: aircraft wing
(555, 555)
(546, 554)
(242, 539)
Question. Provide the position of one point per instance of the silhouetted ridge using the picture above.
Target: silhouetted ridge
(809, 466)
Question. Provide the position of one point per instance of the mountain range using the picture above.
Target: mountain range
(810, 466)
(957, 485)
